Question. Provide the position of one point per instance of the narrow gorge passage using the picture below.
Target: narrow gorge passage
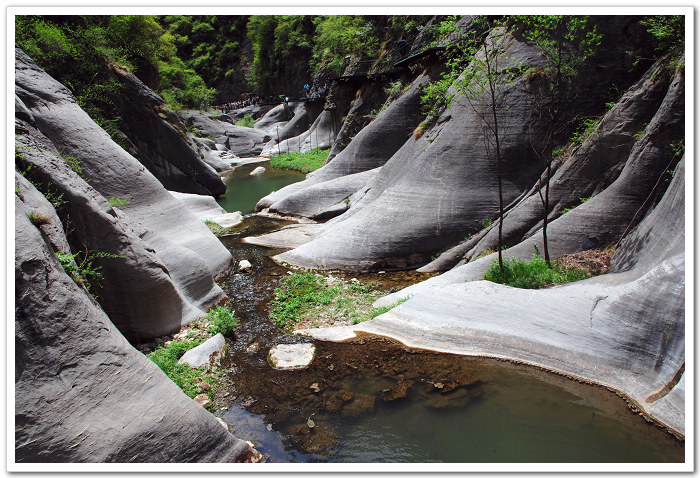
(373, 400)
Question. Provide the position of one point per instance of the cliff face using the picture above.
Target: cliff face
(159, 238)
(160, 141)
(82, 392)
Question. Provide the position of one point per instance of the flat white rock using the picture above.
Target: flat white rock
(291, 356)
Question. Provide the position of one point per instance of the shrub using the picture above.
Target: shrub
(223, 320)
(531, 275)
(117, 201)
(38, 218)
(84, 273)
(247, 121)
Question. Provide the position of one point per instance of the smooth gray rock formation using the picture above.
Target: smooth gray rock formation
(370, 148)
(280, 114)
(305, 113)
(432, 191)
(160, 140)
(291, 356)
(317, 200)
(172, 248)
(624, 330)
(590, 168)
(241, 141)
(208, 353)
(290, 236)
(82, 393)
(257, 171)
(207, 209)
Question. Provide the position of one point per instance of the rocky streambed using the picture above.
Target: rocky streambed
(372, 399)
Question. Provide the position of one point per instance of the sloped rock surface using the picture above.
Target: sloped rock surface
(241, 141)
(82, 393)
(187, 252)
(370, 148)
(147, 305)
(624, 330)
(591, 168)
(305, 113)
(161, 140)
(413, 208)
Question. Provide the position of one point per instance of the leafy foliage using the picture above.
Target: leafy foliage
(303, 162)
(223, 320)
(83, 271)
(115, 201)
(76, 49)
(184, 376)
(247, 121)
(531, 275)
(668, 30)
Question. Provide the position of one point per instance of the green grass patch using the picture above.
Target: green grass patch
(116, 201)
(534, 274)
(311, 300)
(567, 209)
(303, 162)
(247, 121)
(183, 375)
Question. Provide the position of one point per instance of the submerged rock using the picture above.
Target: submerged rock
(257, 171)
(397, 392)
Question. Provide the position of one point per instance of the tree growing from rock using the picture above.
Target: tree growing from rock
(566, 43)
(478, 69)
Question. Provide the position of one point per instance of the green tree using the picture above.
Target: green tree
(478, 68)
(566, 43)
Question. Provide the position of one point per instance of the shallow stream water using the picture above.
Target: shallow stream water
(373, 400)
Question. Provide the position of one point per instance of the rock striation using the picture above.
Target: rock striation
(624, 330)
(160, 141)
(83, 394)
(169, 255)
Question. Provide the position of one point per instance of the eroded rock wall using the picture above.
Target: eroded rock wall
(82, 393)
(168, 252)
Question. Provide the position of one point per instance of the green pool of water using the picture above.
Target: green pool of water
(243, 190)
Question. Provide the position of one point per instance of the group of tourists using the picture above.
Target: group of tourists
(242, 103)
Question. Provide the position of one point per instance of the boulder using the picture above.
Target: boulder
(244, 266)
(208, 353)
(257, 171)
(101, 400)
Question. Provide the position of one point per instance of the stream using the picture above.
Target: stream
(373, 400)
